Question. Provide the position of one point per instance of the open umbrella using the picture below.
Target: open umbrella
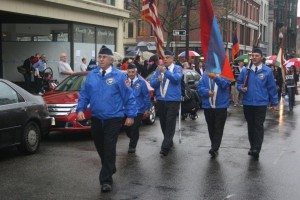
(191, 54)
(245, 58)
(146, 55)
(292, 61)
(117, 56)
(133, 54)
(270, 60)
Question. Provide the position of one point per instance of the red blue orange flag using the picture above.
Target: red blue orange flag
(235, 45)
(213, 49)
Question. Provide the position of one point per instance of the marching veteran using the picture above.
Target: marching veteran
(110, 101)
(166, 81)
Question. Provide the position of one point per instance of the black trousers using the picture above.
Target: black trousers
(255, 117)
(167, 111)
(133, 131)
(105, 135)
(39, 83)
(215, 119)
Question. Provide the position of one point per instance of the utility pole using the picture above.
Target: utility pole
(187, 28)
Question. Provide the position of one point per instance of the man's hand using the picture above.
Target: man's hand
(160, 78)
(161, 68)
(211, 93)
(129, 121)
(146, 114)
(80, 116)
(244, 89)
(212, 75)
(274, 108)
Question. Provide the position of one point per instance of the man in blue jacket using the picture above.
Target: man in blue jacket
(257, 84)
(143, 104)
(166, 81)
(110, 100)
(215, 93)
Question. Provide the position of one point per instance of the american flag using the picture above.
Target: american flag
(150, 14)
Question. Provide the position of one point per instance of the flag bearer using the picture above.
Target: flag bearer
(215, 93)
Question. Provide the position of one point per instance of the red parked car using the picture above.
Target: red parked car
(62, 103)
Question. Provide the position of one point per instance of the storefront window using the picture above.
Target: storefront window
(84, 34)
(35, 32)
(109, 2)
(105, 36)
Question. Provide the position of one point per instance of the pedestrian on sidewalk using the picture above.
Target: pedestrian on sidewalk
(143, 104)
(257, 84)
(110, 100)
(166, 82)
(215, 93)
(39, 68)
(64, 67)
(83, 65)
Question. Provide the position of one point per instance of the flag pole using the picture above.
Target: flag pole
(179, 123)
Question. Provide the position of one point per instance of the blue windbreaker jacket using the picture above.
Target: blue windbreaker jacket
(261, 90)
(142, 96)
(174, 89)
(223, 92)
(108, 96)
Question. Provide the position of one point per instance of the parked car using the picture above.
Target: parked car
(62, 104)
(24, 118)
(190, 77)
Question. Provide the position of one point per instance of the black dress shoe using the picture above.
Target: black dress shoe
(213, 153)
(172, 144)
(131, 150)
(255, 154)
(164, 153)
(250, 152)
(106, 187)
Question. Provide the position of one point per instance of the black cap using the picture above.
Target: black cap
(131, 66)
(257, 50)
(105, 50)
(168, 53)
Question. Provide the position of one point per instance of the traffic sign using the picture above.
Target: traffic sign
(179, 32)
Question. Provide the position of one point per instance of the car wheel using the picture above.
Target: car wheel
(31, 138)
(151, 119)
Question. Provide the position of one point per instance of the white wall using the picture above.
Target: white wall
(81, 50)
(88, 51)
(14, 54)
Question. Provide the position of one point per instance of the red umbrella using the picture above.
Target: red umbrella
(191, 54)
(293, 61)
(271, 59)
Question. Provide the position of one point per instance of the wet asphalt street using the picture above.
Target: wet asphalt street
(67, 165)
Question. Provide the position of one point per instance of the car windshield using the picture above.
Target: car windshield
(189, 75)
(72, 83)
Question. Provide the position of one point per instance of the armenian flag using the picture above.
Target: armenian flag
(235, 45)
(215, 58)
